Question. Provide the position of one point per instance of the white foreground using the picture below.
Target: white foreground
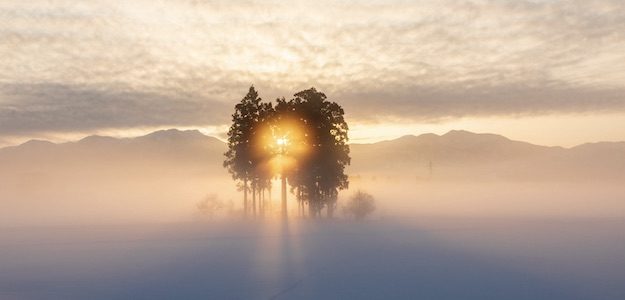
(382, 259)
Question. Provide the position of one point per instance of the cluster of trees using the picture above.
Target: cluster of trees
(305, 137)
(360, 205)
(211, 206)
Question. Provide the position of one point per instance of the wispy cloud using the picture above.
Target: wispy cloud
(74, 65)
(31, 108)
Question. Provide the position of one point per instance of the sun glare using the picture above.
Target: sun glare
(282, 141)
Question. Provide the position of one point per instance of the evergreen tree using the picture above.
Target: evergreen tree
(239, 160)
(260, 156)
(310, 122)
(321, 173)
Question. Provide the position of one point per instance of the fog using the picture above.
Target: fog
(163, 192)
(158, 196)
(91, 200)
(122, 221)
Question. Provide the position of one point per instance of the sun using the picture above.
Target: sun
(282, 141)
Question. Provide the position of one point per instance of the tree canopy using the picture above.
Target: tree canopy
(314, 159)
(240, 160)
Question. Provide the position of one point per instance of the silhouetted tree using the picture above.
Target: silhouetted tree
(240, 152)
(210, 206)
(320, 174)
(360, 205)
(260, 157)
(317, 176)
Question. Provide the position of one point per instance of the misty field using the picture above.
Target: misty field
(378, 149)
(442, 258)
(107, 218)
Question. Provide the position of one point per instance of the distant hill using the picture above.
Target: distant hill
(455, 155)
(161, 153)
(162, 175)
(467, 155)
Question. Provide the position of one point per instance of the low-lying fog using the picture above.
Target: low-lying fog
(76, 226)
(169, 198)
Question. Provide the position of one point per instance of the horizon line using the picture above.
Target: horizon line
(350, 142)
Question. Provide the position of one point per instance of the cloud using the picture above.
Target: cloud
(75, 66)
(61, 108)
(426, 104)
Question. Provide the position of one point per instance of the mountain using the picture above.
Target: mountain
(452, 147)
(163, 175)
(454, 155)
(467, 155)
(161, 153)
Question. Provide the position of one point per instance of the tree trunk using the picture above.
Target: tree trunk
(254, 200)
(245, 208)
(262, 202)
(311, 209)
(331, 203)
(283, 187)
(303, 201)
(330, 210)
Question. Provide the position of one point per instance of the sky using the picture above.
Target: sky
(549, 72)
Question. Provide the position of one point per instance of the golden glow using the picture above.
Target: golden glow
(280, 145)
(280, 163)
(287, 137)
(282, 141)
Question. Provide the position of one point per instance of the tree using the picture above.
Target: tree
(320, 174)
(210, 206)
(360, 205)
(317, 152)
(259, 156)
(239, 155)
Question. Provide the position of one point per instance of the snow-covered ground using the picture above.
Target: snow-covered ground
(416, 258)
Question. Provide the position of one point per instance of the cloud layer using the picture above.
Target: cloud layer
(82, 65)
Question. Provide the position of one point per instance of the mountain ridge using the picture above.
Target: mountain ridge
(171, 134)
(456, 154)
(174, 133)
